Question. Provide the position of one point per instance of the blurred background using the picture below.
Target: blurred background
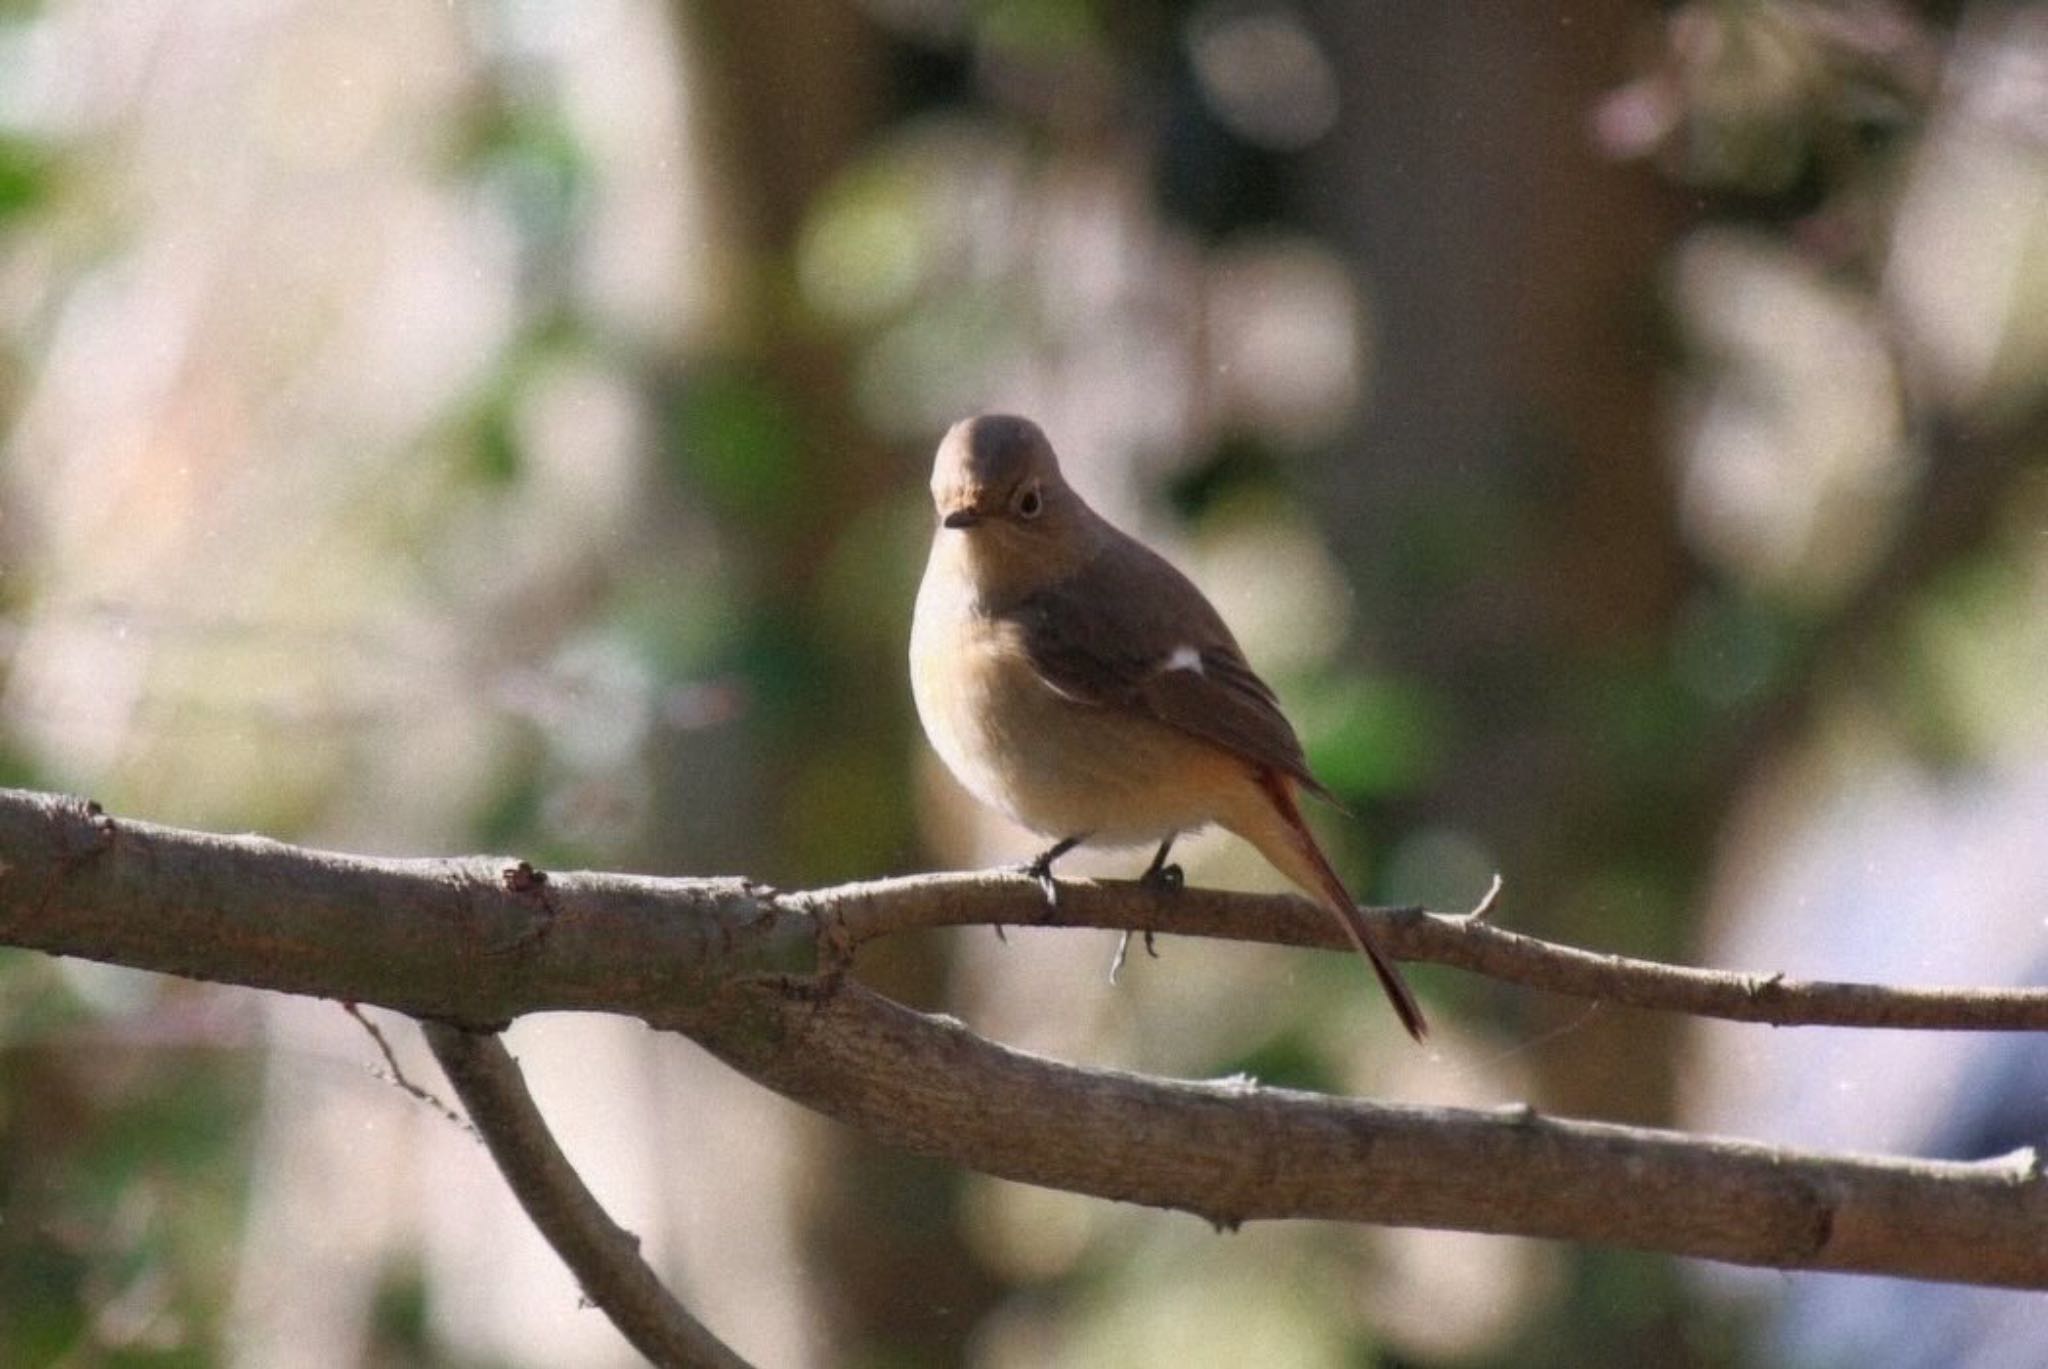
(445, 425)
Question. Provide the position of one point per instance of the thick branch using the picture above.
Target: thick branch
(1232, 1151)
(754, 976)
(472, 940)
(603, 1255)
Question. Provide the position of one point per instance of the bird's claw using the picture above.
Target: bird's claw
(1041, 870)
(1165, 879)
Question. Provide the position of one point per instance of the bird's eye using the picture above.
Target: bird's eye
(1030, 503)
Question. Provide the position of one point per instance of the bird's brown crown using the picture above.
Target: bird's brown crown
(991, 464)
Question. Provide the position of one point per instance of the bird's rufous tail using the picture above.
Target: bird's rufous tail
(1283, 838)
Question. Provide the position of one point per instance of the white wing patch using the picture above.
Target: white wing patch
(1184, 658)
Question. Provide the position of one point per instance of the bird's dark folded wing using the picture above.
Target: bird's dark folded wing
(1131, 632)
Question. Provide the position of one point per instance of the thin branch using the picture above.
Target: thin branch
(757, 976)
(604, 1256)
(863, 912)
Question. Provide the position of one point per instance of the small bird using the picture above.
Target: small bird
(1074, 680)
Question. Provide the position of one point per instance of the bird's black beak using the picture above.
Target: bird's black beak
(960, 518)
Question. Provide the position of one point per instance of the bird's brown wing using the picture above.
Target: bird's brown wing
(1129, 631)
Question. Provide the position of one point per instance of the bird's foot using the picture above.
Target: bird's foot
(1123, 949)
(1164, 879)
(1039, 868)
(1160, 877)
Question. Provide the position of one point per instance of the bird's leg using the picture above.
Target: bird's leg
(1040, 866)
(1159, 875)
(1160, 878)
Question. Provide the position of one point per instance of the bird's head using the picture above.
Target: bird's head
(997, 473)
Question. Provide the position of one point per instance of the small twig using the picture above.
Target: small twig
(1485, 905)
(604, 1256)
(393, 1073)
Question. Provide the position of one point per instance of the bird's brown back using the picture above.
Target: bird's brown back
(1127, 630)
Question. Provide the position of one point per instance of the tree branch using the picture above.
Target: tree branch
(866, 911)
(756, 976)
(1232, 1151)
(474, 941)
(603, 1255)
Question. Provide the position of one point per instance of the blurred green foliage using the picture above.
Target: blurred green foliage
(25, 178)
(121, 1177)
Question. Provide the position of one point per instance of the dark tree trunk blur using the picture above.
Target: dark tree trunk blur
(793, 93)
(1510, 281)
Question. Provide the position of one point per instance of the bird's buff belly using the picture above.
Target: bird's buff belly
(1060, 767)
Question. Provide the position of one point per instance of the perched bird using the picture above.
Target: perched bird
(1073, 679)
